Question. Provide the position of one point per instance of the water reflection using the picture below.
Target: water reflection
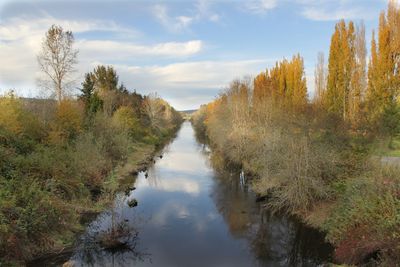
(194, 211)
(275, 239)
(91, 250)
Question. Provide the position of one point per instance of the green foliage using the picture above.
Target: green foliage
(125, 119)
(391, 121)
(366, 217)
(89, 97)
(29, 214)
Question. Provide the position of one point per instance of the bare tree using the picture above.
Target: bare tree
(57, 60)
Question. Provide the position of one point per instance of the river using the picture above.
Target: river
(189, 214)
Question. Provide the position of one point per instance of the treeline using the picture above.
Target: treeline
(313, 159)
(57, 158)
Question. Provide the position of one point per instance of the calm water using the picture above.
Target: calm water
(190, 215)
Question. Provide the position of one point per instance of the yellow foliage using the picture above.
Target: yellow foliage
(11, 113)
(67, 123)
(125, 119)
(285, 83)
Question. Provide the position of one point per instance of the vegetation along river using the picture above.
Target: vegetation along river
(188, 214)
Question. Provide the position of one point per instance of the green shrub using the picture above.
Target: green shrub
(366, 218)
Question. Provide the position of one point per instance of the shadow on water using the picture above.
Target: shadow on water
(196, 210)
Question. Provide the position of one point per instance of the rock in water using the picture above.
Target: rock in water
(132, 203)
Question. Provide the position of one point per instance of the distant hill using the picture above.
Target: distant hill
(189, 111)
(187, 114)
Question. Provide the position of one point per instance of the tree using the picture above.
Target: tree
(384, 67)
(341, 69)
(154, 108)
(106, 87)
(320, 79)
(89, 97)
(358, 83)
(391, 121)
(57, 60)
(285, 84)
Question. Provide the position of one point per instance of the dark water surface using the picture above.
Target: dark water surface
(190, 215)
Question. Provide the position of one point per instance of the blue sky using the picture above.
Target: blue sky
(186, 51)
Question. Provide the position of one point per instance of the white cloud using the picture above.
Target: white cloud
(174, 24)
(260, 6)
(122, 50)
(336, 9)
(189, 75)
(24, 27)
(317, 10)
(20, 42)
(325, 14)
(177, 24)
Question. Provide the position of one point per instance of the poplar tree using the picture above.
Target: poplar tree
(342, 63)
(285, 84)
(384, 66)
(358, 76)
(320, 80)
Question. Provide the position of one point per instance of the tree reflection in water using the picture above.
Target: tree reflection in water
(275, 239)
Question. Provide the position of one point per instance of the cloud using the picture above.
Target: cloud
(116, 50)
(20, 42)
(18, 28)
(326, 10)
(326, 14)
(260, 6)
(195, 74)
(185, 83)
(174, 24)
(201, 11)
(336, 9)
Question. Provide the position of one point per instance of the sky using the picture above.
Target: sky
(186, 51)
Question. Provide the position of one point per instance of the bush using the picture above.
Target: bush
(366, 218)
(29, 216)
(67, 123)
(125, 120)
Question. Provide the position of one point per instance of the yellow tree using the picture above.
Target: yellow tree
(358, 81)
(384, 66)
(340, 69)
(320, 79)
(298, 82)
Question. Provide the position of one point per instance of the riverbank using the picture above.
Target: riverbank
(311, 165)
(122, 177)
(59, 165)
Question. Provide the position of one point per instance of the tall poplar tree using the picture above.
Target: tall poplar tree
(384, 67)
(341, 67)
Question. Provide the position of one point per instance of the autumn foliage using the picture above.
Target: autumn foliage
(306, 154)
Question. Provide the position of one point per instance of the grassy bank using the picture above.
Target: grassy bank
(311, 164)
(61, 161)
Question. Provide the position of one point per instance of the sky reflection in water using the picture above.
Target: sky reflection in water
(190, 215)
